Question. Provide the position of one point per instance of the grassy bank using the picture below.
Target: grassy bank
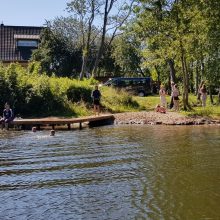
(149, 103)
(34, 94)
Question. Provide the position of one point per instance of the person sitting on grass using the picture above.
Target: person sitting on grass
(7, 116)
(160, 109)
(96, 95)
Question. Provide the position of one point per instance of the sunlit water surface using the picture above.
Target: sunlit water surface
(113, 172)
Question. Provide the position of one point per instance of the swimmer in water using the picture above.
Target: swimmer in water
(52, 133)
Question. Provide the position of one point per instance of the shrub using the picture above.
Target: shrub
(78, 94)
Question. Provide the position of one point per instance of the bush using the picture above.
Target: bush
(78, 94)
(118, 100)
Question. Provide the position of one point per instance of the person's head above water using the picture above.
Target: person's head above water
(52, 132)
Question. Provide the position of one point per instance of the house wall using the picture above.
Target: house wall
(9, 51)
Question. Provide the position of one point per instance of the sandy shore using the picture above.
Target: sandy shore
(169, 118)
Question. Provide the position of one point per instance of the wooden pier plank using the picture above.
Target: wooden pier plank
(61, 121)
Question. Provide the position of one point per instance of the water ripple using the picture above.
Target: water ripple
(121, 172)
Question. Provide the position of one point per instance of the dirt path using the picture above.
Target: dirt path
(169, 118)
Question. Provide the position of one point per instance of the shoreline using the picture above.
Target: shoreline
(156, 118)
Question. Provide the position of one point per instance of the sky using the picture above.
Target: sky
(30, 12)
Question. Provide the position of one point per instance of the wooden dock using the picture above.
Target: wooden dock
(53, 121)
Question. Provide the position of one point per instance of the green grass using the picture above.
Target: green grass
(148, 103)
(208, 111)
(118, 100)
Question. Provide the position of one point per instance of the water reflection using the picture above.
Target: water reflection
(123, 172)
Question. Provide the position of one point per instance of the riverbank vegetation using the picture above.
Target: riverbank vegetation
(32, 93)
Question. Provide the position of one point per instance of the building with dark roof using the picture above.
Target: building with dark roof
(18, 42)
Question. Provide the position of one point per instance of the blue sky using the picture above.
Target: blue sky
(30, 12)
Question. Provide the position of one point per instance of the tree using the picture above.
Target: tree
(112, 22)
(60, 51)
(85, 11)
(127, 54)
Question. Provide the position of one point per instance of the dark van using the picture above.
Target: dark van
(140, 86)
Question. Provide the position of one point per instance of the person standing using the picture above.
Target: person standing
(96, 96)
(162, 94)
(203, 92)
(175, 95)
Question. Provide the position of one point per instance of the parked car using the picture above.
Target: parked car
(140, 86)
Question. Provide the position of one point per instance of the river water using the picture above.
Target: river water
(112, 172)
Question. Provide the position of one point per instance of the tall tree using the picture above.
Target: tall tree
(112, 21)
(85, 11)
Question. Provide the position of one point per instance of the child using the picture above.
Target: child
(96, 95)
(160, 109)
(52, 133)
(7, 116)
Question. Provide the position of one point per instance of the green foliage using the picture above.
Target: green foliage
(38, 95)
(57, 54)
(126, 53)
(118, 100)
(32, 94)
(77, 94)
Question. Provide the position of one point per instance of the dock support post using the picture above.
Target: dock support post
(80, 125)
(69, 126)
(53, 127)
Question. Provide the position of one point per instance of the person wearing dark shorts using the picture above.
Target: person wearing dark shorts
(7, 116)
(96, 96)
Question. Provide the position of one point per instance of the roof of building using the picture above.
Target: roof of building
(18, 42)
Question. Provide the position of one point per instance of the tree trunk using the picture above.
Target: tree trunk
(191, 86)
(87, 44)
(185, 79)
(197, 79)
(187, 83)
(219, 95)
(210, 95)
(158, 78)
(202, 68)
(172, 70)
(84, 66)
(184, 84)
(100, 51)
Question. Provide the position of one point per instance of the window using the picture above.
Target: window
(27, 43)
